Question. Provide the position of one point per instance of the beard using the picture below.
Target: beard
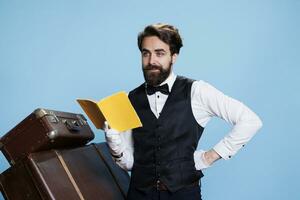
(158, 76)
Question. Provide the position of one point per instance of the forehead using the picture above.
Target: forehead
(153, 43)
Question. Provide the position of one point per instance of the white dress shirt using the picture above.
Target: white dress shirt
(206, 102)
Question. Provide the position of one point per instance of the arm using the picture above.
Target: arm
(121, 146)
(209, 102)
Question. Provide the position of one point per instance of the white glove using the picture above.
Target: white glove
(114, 141)
(200, 162)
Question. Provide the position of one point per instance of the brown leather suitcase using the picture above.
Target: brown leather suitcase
(45, 129)
(84, 173)
(16, 183)
(119, 174)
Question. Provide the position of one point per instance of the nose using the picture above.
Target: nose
(152, 59)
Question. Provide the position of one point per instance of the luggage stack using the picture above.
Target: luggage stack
(50, 160)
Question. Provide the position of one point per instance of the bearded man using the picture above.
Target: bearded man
(174, 111)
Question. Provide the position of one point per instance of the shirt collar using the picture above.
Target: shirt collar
(170, 81)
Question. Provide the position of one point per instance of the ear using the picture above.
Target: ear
(174, 57)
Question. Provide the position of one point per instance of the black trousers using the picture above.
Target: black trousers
(187, 193)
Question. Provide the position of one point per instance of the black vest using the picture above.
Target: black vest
(164, 147)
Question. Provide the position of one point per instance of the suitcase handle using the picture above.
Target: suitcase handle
(72, 126)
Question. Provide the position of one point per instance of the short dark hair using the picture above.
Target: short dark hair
(165, 32)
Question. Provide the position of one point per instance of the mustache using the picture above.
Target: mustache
(149, 67)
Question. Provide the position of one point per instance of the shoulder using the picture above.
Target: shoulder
(137, 90)
(185, 79)
(204, 91)
(202, 85)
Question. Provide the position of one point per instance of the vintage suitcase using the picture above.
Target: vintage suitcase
(120, 176)
(45, 129)
(84, 173)
(16, 183)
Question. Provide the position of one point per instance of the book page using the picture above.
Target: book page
(119, 113)
(93, 112)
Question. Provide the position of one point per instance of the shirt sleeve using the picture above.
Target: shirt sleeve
(208, 102)
(126, 161)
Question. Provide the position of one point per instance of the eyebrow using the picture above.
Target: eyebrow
(159, 50)
(145, 50)
(156, 50)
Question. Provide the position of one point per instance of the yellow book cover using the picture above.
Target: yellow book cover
(116, 109)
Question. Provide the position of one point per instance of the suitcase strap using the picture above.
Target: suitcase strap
(63, 163)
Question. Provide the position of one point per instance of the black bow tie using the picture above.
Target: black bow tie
(163, 89)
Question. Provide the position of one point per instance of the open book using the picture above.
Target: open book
(115, 109)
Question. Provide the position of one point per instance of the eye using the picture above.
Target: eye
(145, 53)
(160, 54)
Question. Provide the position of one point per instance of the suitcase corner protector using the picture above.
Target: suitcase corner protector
(52, 134)
(40, 112)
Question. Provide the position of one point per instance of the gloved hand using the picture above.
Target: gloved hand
(200, 162)
(114, 141)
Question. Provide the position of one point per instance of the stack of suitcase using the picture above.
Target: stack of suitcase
(50, 160)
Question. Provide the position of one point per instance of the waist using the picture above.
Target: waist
(160, 186)
(146, 162)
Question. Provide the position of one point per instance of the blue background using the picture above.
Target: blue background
(52, 52)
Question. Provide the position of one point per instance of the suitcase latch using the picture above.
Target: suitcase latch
(72, 125)
(53, 119)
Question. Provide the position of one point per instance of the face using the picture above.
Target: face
(157, 60)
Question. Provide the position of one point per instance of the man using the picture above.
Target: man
(174, 110)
